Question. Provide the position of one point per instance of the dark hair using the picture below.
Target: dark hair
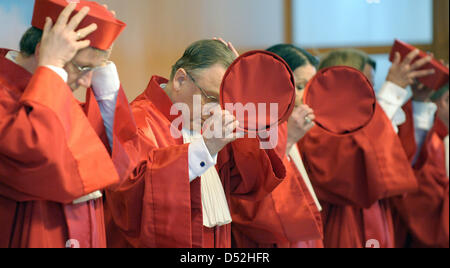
(372, 63)
(347, 57)
(29, 41)
(204, 54)
(294, 56)
(438, 94)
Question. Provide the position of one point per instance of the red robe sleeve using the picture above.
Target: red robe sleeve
(426, 212)
(152, 208)
(253, 172)
(46, 139)
(406, 132)
(124, 153)
(284, 216)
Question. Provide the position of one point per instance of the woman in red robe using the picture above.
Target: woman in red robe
(289, 216)
(356, 172)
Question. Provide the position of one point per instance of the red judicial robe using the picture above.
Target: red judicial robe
(353, 175)
(424, 215)
(287, 217)
(158, 206)
(50, 155)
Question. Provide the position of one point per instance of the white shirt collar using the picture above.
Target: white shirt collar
(12, 56)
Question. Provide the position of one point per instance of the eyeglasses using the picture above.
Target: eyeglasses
(208, 97)
(83, 69)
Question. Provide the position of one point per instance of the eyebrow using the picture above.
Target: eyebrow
(85, 65)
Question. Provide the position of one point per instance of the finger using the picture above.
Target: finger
(229, 130)
(312, 117)
(309, 126)
(421, 62)
(213, 108)
(422, 73)
(227, 113)
(309, 110)
(231, 47)
(240, 134)
(47, 27)
(87, 31)
(76, 20)
(397, 58)
(304, 107)
(114, 13)
(228, 119)
(303, 113)
(65, 14)
(83, 44)
(221, 41)
(411, 56)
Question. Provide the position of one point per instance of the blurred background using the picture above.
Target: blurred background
(159, 30)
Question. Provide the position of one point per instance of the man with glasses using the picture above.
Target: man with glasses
(178, 197)
(54, 157)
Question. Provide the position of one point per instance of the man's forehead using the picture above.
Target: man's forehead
(213, 75)
(90, 56)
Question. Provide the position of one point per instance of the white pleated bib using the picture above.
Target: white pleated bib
(214, 202)
(296, 157)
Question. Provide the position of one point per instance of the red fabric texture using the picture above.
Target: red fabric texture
(259, 77)
(424, 215)
(406, 132)
(287, 217)
(352, 99)
(435, 81)
(354, 166)
(47, 138)
(108, 27)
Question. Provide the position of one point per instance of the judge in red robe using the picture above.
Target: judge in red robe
(289, 216)
(161, 205)
(424, 215)
(355, 162)
(53, 160)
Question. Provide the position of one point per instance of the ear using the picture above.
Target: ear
(37, 51)
(444, 101)
(179, 78)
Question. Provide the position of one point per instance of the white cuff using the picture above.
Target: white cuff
(92, 196)
(424, 114)
(391, 98)
(59, 71)
(106, 82)
(399, 118)
(200, 160)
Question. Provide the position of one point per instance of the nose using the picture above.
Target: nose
(85, 80)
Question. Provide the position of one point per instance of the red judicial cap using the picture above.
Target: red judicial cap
(342, 98)
(435, 81)
(109, 28)
(258, 80)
